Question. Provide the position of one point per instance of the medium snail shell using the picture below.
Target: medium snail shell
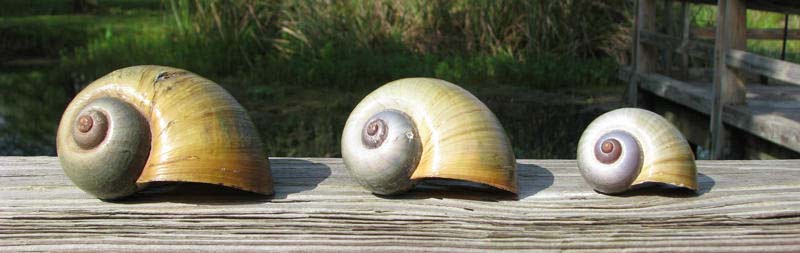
(627, 147)
(146, 124)
(417, 128)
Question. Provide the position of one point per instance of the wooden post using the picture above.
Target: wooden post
(685, 26)
(668, 29)
(644, 56)
(729, 83)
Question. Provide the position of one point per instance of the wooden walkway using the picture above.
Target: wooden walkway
(772, 112)
(743, 206)
(727, 114)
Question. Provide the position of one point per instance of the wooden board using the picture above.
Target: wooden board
(741, 206)
(781, 6)
(752, 34)
(773, 68)
(699, 49)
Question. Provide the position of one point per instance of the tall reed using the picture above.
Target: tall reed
(508, 27)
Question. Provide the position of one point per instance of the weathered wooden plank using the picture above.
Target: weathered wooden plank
(644, 55)
(781, 6)
(771, 112)
(780, 70)
(741, 206)
(753, 34)
(695, 97)
(667, 26)
(685, 31)
(632, 90)
(697, 49)
(647, 56)
(728, 87)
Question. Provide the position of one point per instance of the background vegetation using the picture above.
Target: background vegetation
(546, 68)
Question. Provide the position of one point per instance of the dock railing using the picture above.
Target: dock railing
(728, 53)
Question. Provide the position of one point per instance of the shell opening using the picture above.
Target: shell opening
(90, 129)
(374, 132)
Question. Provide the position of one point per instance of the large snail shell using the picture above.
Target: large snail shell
(418, 128)
(627, 147)
(146, 124)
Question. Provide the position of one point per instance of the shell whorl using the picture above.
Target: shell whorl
(650, 150)
(195, 131)
(111, 143)
(389, 152)
(459, 137)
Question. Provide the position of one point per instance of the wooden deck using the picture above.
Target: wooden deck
(772, 112)
(741, 206)
(725, 114)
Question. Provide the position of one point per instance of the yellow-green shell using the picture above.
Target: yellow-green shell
(461, 138)
(197, 131)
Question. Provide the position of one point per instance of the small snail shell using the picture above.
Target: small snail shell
(146, 124)
(418, 128)
(629, 146)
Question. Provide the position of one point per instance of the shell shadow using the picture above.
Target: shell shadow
(292, 176)
(533, 179)
(704, 185)
(296, 175)
(453, 189)
(192, 193)
(530, 178)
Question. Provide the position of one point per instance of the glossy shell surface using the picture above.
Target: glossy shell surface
(460, 137)
(196, 131)
(665, 156)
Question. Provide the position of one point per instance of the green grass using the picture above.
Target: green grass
(705, 16)
(31, 113)
(49, 35)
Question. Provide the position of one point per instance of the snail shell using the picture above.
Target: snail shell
(417, 128)
(628, 147)
(145, 124)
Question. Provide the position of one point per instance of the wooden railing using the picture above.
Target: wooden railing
(756, 34)
(776, 69)
(742, 206)
(728, 54)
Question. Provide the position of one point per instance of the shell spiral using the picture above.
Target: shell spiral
(146, 124)
(434, 129)
(628, 147)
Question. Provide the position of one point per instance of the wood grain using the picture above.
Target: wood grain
(753, 34)
(694, 48)
(773, 68)
(728, 85)
(741, 206)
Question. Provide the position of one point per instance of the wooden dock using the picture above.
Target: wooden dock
(743, 206)
(734, 116)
